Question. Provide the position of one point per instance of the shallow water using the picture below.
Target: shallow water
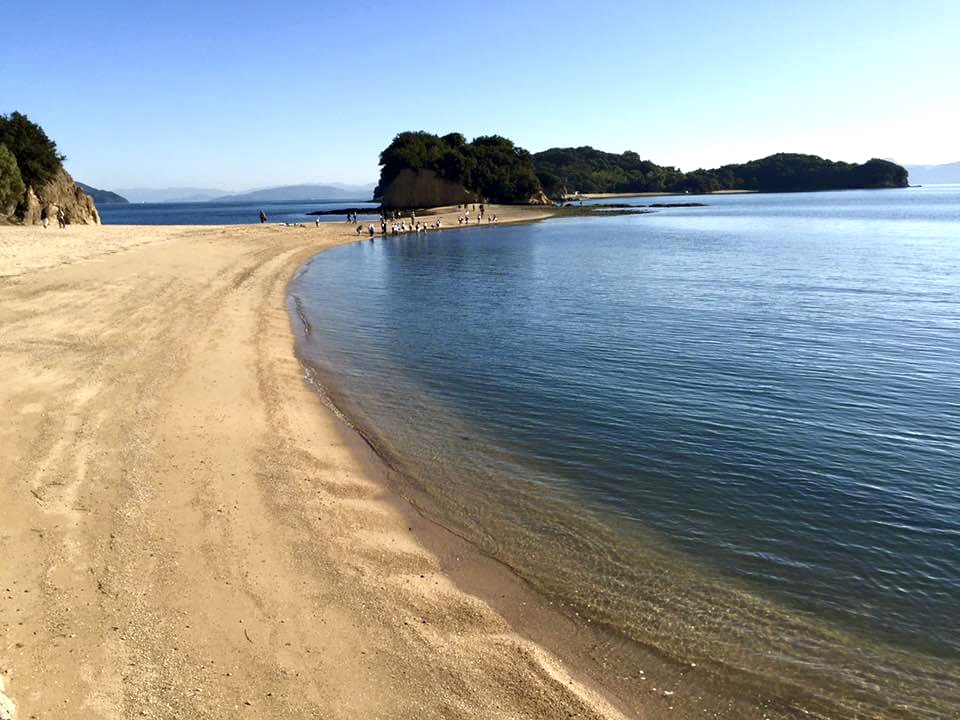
(731, 433)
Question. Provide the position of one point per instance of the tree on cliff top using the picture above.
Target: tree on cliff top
(491, 165)
(36, 153)
(11, 183)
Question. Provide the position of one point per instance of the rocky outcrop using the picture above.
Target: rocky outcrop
(424, 188)
(59, 193)
(539, 198)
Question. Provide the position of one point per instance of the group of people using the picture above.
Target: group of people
(397, 223)
(465, 218)
(402, 226)
(45, 217)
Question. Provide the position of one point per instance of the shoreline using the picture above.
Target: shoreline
(645, 680)
(638, 680)
(725, 692)
(178, 499)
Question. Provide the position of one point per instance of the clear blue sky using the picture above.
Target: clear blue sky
(238, 94)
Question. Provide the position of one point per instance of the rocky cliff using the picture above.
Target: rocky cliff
(424, 188)
(60, 192)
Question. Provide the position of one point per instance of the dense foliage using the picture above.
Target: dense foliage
(491, 166)
(11, 184)
(36, 154)
(586, 170)
(790, 172)
(564, 170)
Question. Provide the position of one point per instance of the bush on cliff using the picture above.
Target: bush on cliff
(36, 153)
(11, 183)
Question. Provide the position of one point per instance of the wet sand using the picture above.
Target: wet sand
(188, 532)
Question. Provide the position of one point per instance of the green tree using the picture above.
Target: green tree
(36, 153)
(491, 166)
(11, 184)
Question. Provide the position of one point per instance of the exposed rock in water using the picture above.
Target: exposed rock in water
(424, 188)
(59, 193)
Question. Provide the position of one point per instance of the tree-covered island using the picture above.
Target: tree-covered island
(419, 168)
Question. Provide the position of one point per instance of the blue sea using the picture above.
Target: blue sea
(727, 434)
(228, 213)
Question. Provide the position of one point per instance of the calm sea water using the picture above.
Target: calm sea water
(224, 213)
(731, 433)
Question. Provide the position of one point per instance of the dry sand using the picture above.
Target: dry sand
(185, 531)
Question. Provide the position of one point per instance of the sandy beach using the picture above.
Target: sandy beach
(187, 531)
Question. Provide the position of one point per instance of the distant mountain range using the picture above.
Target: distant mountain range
(933, 174)
(285, 193)
(294, 193)
(170, 194)
(101, 197)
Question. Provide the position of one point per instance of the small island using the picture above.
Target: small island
(420, 169)
(586, 170)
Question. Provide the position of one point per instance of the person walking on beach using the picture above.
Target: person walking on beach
(61, 218)
(44, 216)
(263, 216)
